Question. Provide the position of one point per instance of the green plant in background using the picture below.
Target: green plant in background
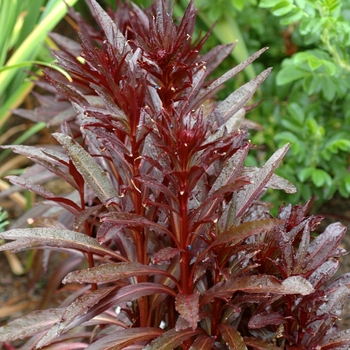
(311, 90)
(23, 42)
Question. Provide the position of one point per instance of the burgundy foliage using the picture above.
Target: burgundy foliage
(179, 252)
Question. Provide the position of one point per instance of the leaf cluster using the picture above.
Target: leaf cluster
(170, 246)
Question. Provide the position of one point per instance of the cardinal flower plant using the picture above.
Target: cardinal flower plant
(169, 246)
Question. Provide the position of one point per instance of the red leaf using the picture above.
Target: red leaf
(259, 344)
(165, 255)
(265, 318)
(203, 342)
(260, 178)
(33, 323)
(232, 337)
(171, 339)
(28, 238)
(122, 338)
(257, 284)
(106, 273)
(188, 307)
(78, 307)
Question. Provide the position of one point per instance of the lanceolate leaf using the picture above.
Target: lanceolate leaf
(119, 340)
(171, 339)
(322, 247)
(237, 99)
(42, 191)
(257, 284)
(260, 178)
(92, 173)
(78, 307)
(121, 296)
(28, 238)
(106, 273)
(336, 341)
(113, 34)
(259, 344)
(203, 342)
(33, 323)
(228, 75)
(188, 307)
(134, 220)
(232, 338)
(239, 233)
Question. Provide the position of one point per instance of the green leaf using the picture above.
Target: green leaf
(331, 68)
(282, 8)
(314, 63)
(320, 177)
(293, 16)
(296, 112)
(305, 173)
(268, 3)
(289, 74)
(328, 88)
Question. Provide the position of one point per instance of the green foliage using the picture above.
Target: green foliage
(23, 42)
(3, 219)
(307, 101)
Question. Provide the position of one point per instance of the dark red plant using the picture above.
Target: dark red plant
(178, 250)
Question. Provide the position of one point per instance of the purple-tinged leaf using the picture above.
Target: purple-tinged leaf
(78, 307)
(248, 194)
(323, 246)
(171, 339)
(324, 273)
(81, 218)
(34, 322)
(203, 342)
(216, 55)
(65, 202)
(113, 34)
(92, 173)
(335, 301)
(68, 45)
(228, 75)
(34, 152)
(121, 296)
(259, 344)
(257, 284)
(122, 338)
(264, 319)
(276, 182)
(28, 238)
(154, 185)
(110, 272)
(232, 337)
(239, 233)
(134, 220)
(234, 102)
(336, 341)
(165, 255)
(188, 308)
(197, 83)
(173, 269)
(343, 280)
